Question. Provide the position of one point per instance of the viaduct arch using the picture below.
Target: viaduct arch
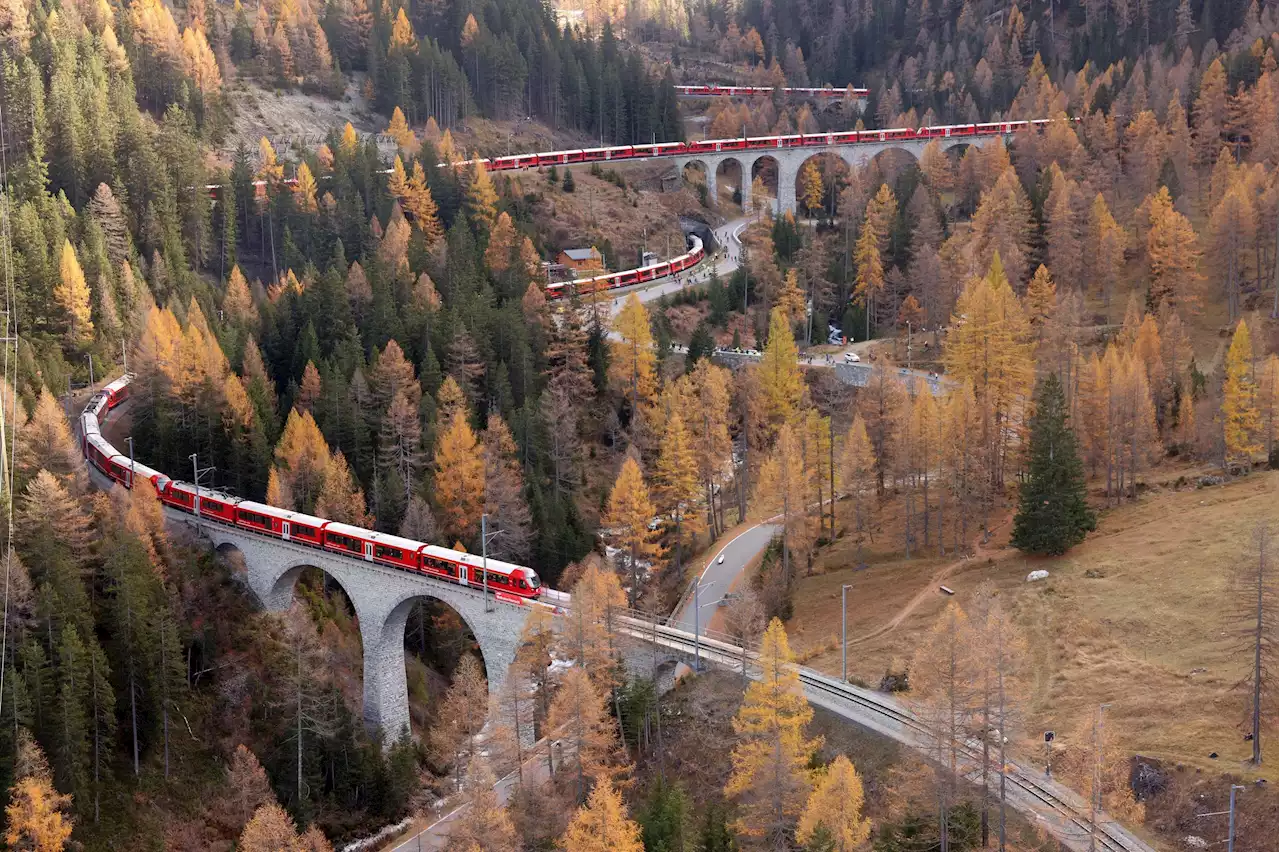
(791, 160)
(382, 598)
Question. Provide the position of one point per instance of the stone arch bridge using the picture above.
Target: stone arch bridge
(791, 160)
(383, 598)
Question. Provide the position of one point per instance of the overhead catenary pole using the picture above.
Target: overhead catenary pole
(1095, 798)
(195, 478)
(484, 557)
(844, 638)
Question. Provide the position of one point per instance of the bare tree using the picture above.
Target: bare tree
(1257, 608)
(744, 620)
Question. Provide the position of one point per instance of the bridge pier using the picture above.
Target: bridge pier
(383, 598)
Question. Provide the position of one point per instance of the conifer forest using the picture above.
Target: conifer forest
(985, 427)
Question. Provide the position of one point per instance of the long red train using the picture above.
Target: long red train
(714, 91)
(509, 582)
(627, 277)
(749, 143)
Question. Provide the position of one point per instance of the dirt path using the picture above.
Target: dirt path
(926, 591)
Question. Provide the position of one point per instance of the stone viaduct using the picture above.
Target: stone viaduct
(382, 598)
(791, 160)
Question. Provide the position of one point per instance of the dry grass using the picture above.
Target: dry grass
(1151, 630)
(597, 210)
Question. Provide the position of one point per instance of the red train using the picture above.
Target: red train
(714, 91)
(627, 277)
(753, 143)
(509, 582)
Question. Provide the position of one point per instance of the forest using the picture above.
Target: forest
(367, 339)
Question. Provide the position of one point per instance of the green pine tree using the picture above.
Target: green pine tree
(701, 345)
(715, 835)
(1053, 515)
(822, 840)
(664, 819)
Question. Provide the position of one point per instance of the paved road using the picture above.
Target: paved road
(718, 577)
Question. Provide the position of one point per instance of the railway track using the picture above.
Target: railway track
(1057, 809)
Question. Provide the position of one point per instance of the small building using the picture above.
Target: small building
(582, 259)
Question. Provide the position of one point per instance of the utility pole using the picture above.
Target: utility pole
(89, 358)
(844, 640)
(132, 468)
(1230, 814)
(697, 626)
(1095, 799)
(195, 478)
(485, 538)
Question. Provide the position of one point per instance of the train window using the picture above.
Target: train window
(255, 518)
(388, 552)
(439, 565)
(345, 542)
(211, 505)
(302, 529)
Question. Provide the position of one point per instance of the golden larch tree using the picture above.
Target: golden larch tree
(769, 781)
(782, 487)
(310, 389)
(398, 181)
(304, 191)
(858, 473)
(1040, 298)
(45, 442)
(398, 129)
(481, 199)
(676, 488)
(1104, 249)
(460, 717)
(237, 304)
(459, 493)
(38, 816)
(301, 459)
(598, 599)
(1232, 229)
(791, 298)
(1173, 258)
(497, 256)
(421, 206)
(341, 498)
(989, 345)
(869, 269)
(633, 366)
(836, 803)
(811, 188)
(602, 825)
(72, 294)
(626, 524)
(1240, 421)
(779, 370)
(578, 715)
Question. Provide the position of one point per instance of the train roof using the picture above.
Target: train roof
(207, 493)
(102, 445)
(118, 384)
(376, 537)
(285, 514)
(496, 565)
(140, 469)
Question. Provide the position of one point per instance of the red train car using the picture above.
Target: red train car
(281, 523)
